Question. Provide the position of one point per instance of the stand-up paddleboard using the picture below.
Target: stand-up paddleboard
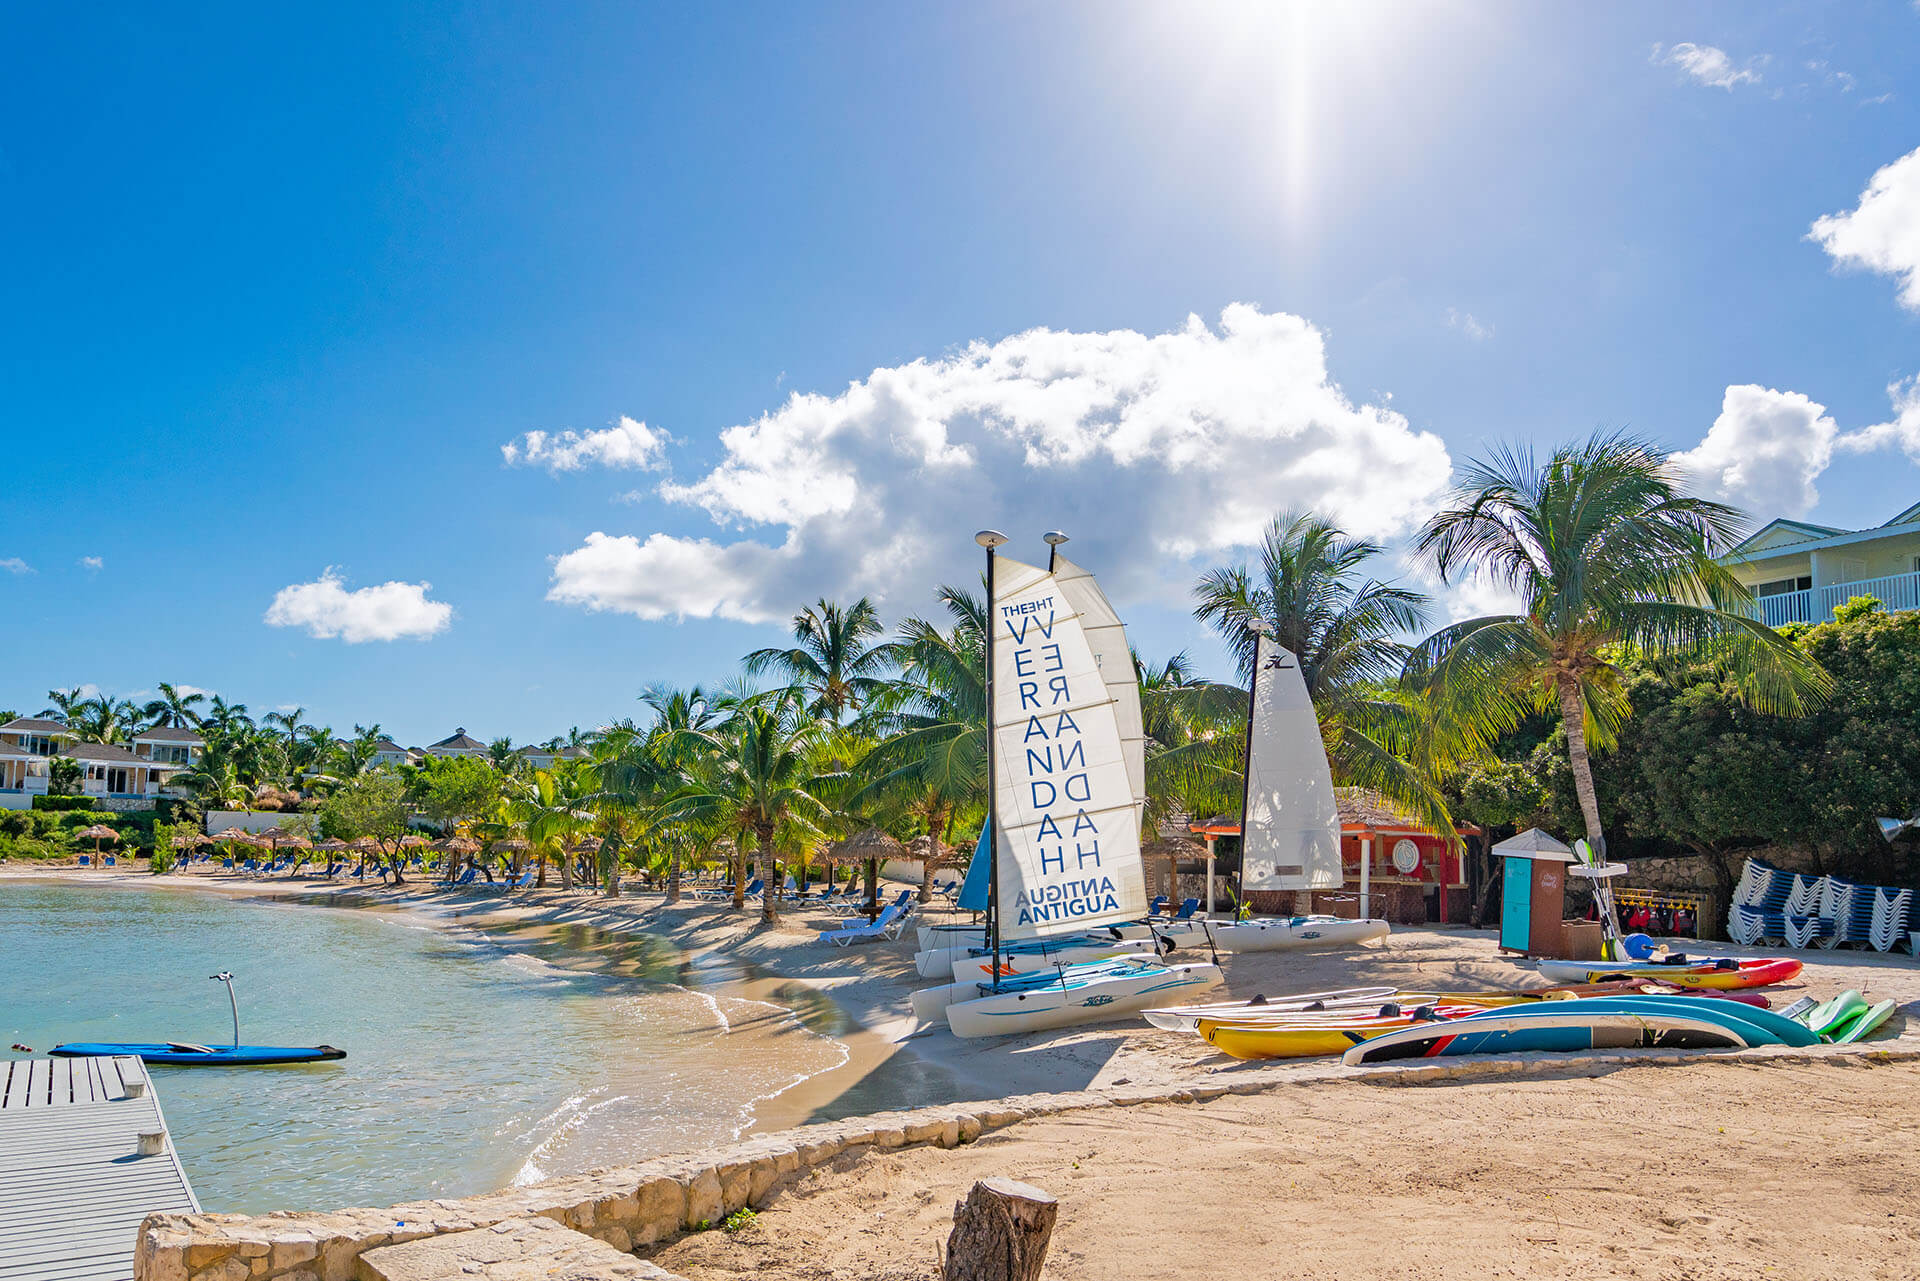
(1333, 1032)
(1828, 1018)
(187, 1054)
(193, 1054)
(1184, 1018)
(1512, 1032)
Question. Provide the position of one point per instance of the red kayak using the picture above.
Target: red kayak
(1717, 972)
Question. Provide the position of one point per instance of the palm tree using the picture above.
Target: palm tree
(60, 704)
(1311, 591)
(289, 723)
(833, 660)
(172, 709)
(753, 775)
(931, 722)
(103, 719)
(1609, 558)
(1196, 734)
(222, 715)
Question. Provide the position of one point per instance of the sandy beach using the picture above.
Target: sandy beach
(1710, 1169)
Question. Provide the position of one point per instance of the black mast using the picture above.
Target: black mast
(990, 539)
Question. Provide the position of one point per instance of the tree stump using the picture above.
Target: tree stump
(1000, 1232)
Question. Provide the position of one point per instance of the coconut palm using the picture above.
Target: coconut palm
(289, 723)
(833, 660)
(549, 809)
(1311, 589)
(752, 774)
(1196, 734)
(60, 704)
(931, 722)
(103, 719)
(1609, 558)
(172, 709)
(222, 715)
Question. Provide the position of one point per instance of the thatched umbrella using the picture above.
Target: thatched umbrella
(457, 846)
(238, 836)
(190, 840)
(1175, 851)
(97, 833)
(514, 847)
(277, 836)
(872, 847)
(412, 841)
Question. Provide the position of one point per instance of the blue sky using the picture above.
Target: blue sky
(282, 286)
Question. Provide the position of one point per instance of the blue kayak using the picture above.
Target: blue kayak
(187, 1054)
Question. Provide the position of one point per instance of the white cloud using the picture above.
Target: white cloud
(1467, 323)
(1706, 65)
(1883, 233)
(14, 565)
(92, 564)
(627, 444)
(1150, 450)
(188, 691)
(1903, 430)
(1764, 452)
(387, 612)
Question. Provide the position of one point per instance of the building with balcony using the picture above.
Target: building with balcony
(119, 778)
(458, 743)
(1801, 571)
(169, 744)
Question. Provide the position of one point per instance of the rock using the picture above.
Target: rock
(532, 1249)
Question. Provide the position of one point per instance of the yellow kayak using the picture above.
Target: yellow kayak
(1328, 1036)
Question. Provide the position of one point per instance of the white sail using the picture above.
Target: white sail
(1107, 638)
(1290, 825)
(1063, 804)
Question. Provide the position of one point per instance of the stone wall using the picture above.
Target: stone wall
(638, 1206)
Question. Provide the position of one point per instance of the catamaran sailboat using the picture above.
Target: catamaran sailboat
(1067, 771)
(1289, 822)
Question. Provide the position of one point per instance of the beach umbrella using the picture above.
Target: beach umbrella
(510, 845)
(1175, 851)
(329, 846)
(872, 847)
(412, 841)
(238, 836)
(97, 833)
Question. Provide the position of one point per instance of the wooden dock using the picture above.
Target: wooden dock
(74, 1185)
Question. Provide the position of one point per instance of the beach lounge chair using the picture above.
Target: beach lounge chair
(86, 860)
(466, 877)
(525, 882)
(1188, 907)
(1158, 905)
(888, 926)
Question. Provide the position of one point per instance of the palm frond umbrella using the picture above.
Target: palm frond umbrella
(190, 840)
(512, 846)
(277, 836)
(238, 836)
(329, 846)
(97, 833)
(1175, 851)
(871, 847)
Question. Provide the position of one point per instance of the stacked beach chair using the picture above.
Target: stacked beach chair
(1772, 906)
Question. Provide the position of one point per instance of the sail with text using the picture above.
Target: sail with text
(1290, 824)
(1107, 638)
(1064, 810)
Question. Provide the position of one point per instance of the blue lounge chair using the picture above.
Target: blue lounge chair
(888, 926)
(86, 860)
(525, 882)
(466, 877)
(108, 861)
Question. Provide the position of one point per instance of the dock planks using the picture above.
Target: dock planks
(73, 1187)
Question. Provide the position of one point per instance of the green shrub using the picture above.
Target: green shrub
(57, 803)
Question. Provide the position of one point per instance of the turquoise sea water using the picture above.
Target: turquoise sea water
(472, 1061)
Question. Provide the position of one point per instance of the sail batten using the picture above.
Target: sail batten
(1290, 823)
(1066, 820)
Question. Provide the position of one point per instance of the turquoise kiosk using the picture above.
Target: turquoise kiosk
(1533, 892)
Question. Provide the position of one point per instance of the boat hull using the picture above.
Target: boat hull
(969, 963)
(176, 1055)
(1284, 933)
(1755, 972)
(1108, 994)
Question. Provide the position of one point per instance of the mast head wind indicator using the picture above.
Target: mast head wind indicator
(990, 538)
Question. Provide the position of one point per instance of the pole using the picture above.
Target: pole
(225, 977)
(990, 539)
(1366, 873)
(1259, 629)
(1210, 867)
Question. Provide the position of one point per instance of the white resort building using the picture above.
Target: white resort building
(544, 757)
(459, 743)
(166, 743)
(1801, 571)
(115, 776)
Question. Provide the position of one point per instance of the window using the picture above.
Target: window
(1781, 586)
